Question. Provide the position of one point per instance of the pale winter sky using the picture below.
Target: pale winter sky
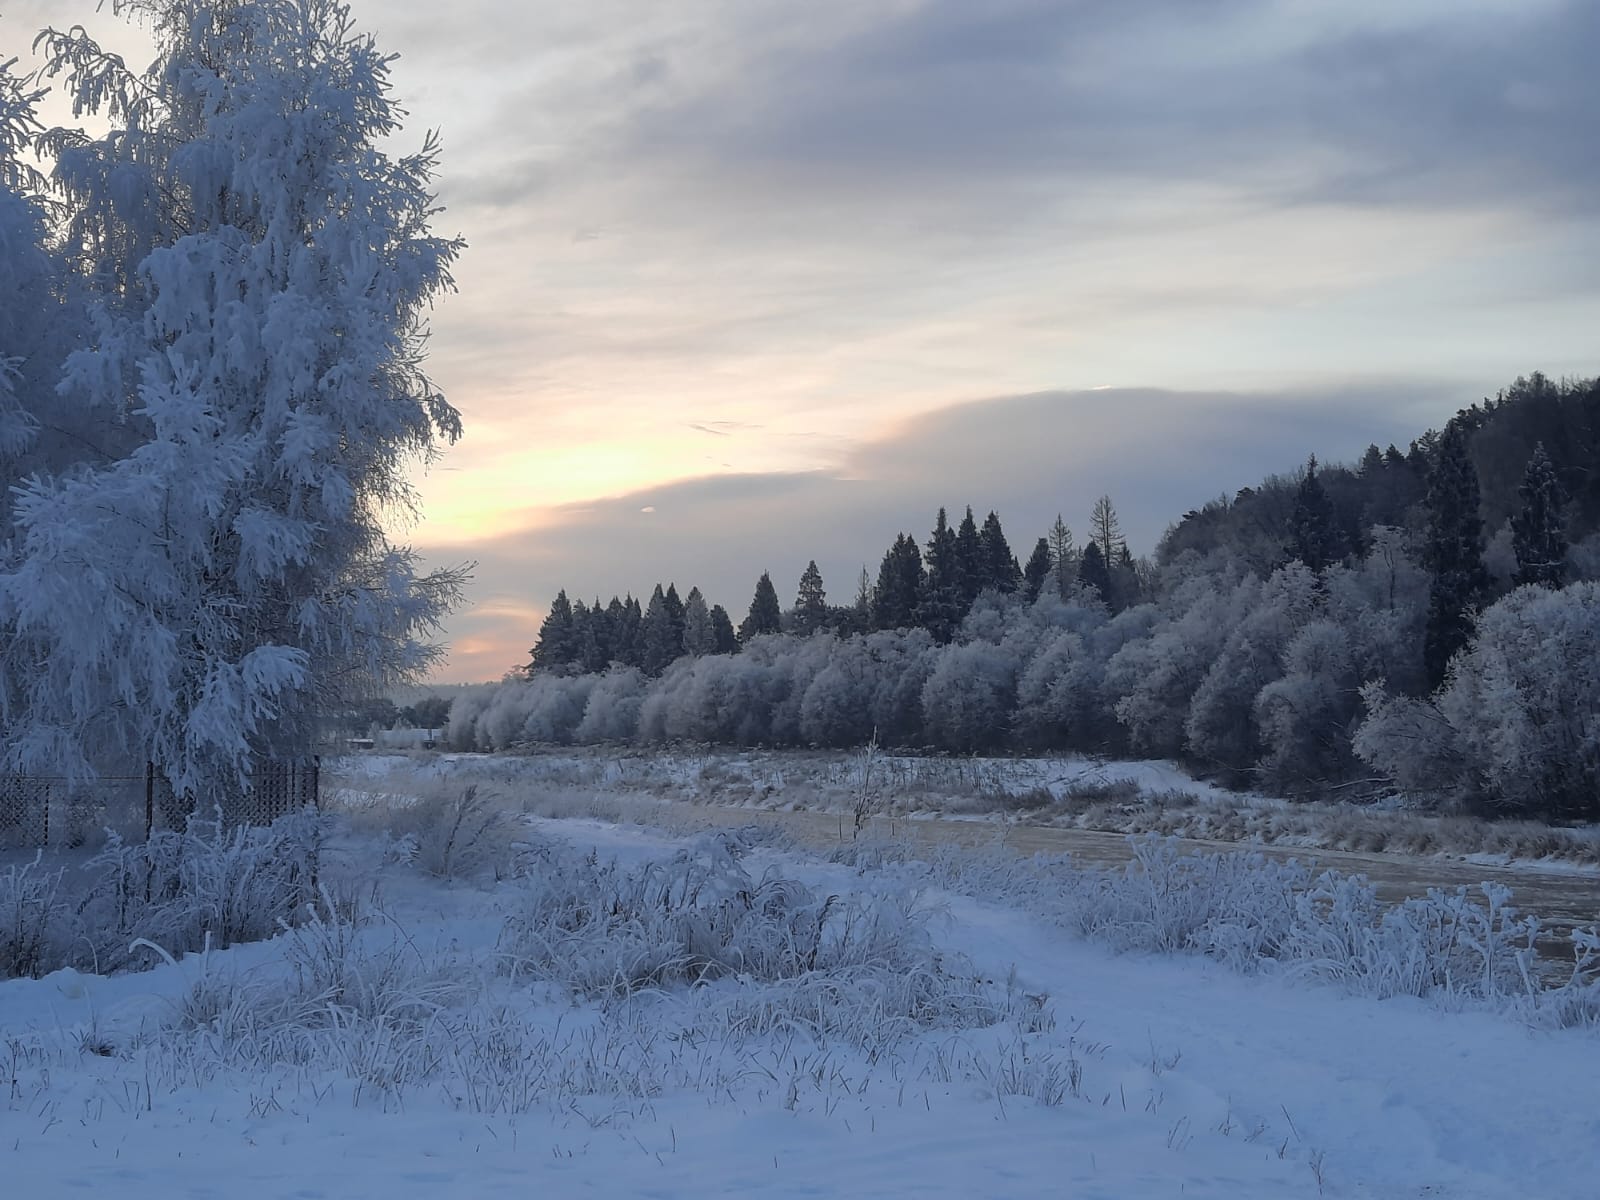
(756, 281)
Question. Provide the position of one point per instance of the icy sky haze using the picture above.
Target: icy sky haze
(751, 282)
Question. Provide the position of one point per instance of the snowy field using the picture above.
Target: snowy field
(623, 1012)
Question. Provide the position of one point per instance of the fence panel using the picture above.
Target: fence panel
(48, 810)
(39, 810)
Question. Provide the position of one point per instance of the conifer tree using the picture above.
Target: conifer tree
(1037, 573)
(699, 636)
(765, 616)
(900, 584)
(1093, 572)
(969, 562)
(616, 617)
(999, 565)
(811, 603)
(939, 607)
(589, 636)
(1063, 558)
(722, 627)
(674, 613)
(1454, 552)
(661, 643)
(1538, 535)
(1313, 537)
(1105, 530)
(1125, 583)
(557, 646)
(627, 630)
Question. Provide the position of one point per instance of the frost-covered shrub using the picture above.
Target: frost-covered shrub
(1151, 681)
(1166, 900)
(34, 921)
(453, 831)
(1525, 700)
(500, 724)
(556, 708)
(789, 956)
(1221, 729)
(1255, 913)
(1055, 695)
(211, 884)
(1442, 943)
(1305, 717)
(969, 696)
(1381, 605)
(1412, 743)
(611, 713)
(461, 727)
(1517, 723)
(837, 707)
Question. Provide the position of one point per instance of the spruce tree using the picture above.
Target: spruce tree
(1037, 573)
(969, 562)
(699, 636)
(811, 603)
(599, 639)
(616, 627)
(1000, 569)
(674, 613)
(1313, 538)
(765, 615)
(1538, 535)
(557, 646)
(661, 643)
(1454, 552)
(900, 585)
(939, 606)
(628, 634)
(1125, 583)
(588, 641)
(722, 628)
(1093, 572)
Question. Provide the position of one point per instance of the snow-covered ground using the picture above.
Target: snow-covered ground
(434, 1072)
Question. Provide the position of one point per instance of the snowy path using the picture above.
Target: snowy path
(1196, 1083)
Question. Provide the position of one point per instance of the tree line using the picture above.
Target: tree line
(1425, 620)
(932, 588)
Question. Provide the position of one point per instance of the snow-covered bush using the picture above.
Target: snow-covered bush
(611, 713)
(457, 831)
(210, 884)
(1220, 729)
(34, 920)
(1517, 723)
(861, 965)
(968, 698)
(1150, 682)
(1305, 717)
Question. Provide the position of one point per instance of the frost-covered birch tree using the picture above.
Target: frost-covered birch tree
(260, 268)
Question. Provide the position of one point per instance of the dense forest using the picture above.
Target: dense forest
(1425, 620)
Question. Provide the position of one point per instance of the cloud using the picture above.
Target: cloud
(1028, 457)
(1007, 101)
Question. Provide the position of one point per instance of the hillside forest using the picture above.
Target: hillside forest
(1424, 621)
